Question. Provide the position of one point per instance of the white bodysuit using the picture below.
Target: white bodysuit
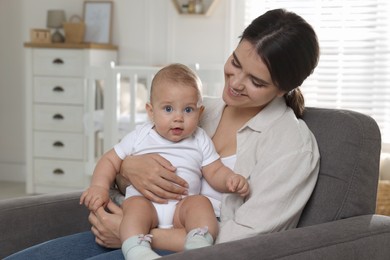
(188, 156)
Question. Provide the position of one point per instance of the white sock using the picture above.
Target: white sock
(197, 238)
(138, 247)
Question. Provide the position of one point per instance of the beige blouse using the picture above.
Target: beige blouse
(279, 155)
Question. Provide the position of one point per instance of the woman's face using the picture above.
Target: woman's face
(248, 82)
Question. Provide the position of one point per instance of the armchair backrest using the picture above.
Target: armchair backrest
(349, 144)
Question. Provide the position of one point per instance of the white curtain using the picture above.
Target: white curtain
(354, 68)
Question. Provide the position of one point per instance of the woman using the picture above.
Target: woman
(255, 127)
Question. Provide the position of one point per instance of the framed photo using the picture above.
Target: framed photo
(98, 19)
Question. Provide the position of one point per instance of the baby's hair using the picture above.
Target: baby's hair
(178, 73)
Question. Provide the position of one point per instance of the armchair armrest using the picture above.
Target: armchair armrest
(44, 217)
(31, 220)
(363, 237)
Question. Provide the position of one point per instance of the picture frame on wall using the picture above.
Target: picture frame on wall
(98, 21)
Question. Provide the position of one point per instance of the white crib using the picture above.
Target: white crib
(111, 88)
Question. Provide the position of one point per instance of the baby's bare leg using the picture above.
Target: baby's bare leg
(196, 215)
(172, 239)
(194, 212)
(139, 217)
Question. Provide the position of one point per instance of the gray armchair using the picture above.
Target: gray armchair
(339, 221)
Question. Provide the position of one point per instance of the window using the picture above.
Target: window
(354, 68)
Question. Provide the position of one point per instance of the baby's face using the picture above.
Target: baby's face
(175, 110)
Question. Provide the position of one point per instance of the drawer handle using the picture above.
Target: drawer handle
(58, 144)
(58, 89)
(58, 171)
(58, 117)
(58, 61)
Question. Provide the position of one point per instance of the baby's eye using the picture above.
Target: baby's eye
(188, 109)
(168, 109)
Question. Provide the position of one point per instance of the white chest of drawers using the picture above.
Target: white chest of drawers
(55, 106)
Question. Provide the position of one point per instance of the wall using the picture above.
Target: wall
(11, 90)
(146, 32)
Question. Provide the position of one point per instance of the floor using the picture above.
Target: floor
(10, 189)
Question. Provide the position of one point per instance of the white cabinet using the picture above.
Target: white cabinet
(55, 106)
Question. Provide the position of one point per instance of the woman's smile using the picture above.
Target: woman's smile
(234, 93)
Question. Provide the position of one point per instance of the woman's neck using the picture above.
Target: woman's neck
(231, 121)
(240, 115)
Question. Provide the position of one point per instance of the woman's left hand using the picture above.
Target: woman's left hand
(105, 225)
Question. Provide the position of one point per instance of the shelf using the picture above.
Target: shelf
(207, 7)
(71, 45)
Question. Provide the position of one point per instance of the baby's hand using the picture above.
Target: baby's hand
(94, 197)
(238, 184)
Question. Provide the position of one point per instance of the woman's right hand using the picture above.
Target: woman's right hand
(154, 177)
(105, 225)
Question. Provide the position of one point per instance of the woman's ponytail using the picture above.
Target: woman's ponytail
(296, 101)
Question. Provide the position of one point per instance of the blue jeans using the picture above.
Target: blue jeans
(77, 246)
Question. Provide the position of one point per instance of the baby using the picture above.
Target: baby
(174, 110)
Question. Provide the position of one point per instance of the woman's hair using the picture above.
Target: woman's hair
(178, 73)
(288, 46)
